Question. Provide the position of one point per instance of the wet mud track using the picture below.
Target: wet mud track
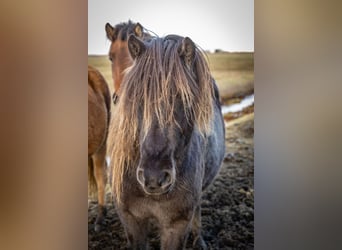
(227, 205)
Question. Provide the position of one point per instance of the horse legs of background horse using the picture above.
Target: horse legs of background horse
(98, 123)
(98, 161)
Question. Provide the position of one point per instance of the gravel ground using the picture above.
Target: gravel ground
(227, 206)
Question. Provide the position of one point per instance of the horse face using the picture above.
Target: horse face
(118, 52)
(156, 170)
(160, 152)
(165, 143)
(120, 60)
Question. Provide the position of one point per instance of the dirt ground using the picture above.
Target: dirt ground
(227, 206)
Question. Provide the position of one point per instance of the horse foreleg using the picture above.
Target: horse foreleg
(198, 242)
(101, 180)
(136, 231)
(175, 235)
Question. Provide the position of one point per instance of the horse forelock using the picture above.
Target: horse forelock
(154, 86)
(124, 29)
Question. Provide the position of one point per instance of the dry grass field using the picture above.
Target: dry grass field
(233, 72)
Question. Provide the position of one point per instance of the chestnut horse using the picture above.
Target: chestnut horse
(98, 123)
(118, 52)
(167, 139)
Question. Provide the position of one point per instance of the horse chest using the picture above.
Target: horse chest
(164, 211)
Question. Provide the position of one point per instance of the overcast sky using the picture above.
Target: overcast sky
(212, 24)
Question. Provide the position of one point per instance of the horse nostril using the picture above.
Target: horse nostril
(140, 175)
(165, 179)
(154, 181)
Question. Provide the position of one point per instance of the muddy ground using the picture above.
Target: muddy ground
(227, 206)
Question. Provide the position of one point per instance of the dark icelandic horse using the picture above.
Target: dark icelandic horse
(118, 51)
(98, 123)
(167, 140)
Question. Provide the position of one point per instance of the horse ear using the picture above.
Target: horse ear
(186, 50)
(136, 46)
(138, 30)
(110, 32)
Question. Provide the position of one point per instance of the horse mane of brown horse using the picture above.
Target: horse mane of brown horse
(155, 84)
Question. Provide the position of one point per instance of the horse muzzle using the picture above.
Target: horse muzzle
(155, 182)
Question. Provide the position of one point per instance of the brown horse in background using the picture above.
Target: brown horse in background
(98, 123)
(118, 52)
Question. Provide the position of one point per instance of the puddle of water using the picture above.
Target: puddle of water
(247, 101)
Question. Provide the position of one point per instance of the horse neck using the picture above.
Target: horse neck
(190, 151)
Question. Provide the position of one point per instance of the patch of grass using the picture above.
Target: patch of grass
(103, 64)
(233, 72)
(226, 61)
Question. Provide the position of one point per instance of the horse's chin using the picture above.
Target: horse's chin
(159, 192)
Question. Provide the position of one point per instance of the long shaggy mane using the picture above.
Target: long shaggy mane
(158, 80)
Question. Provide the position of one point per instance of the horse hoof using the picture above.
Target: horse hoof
(199, 244)
(97, 228)
(99, 225)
